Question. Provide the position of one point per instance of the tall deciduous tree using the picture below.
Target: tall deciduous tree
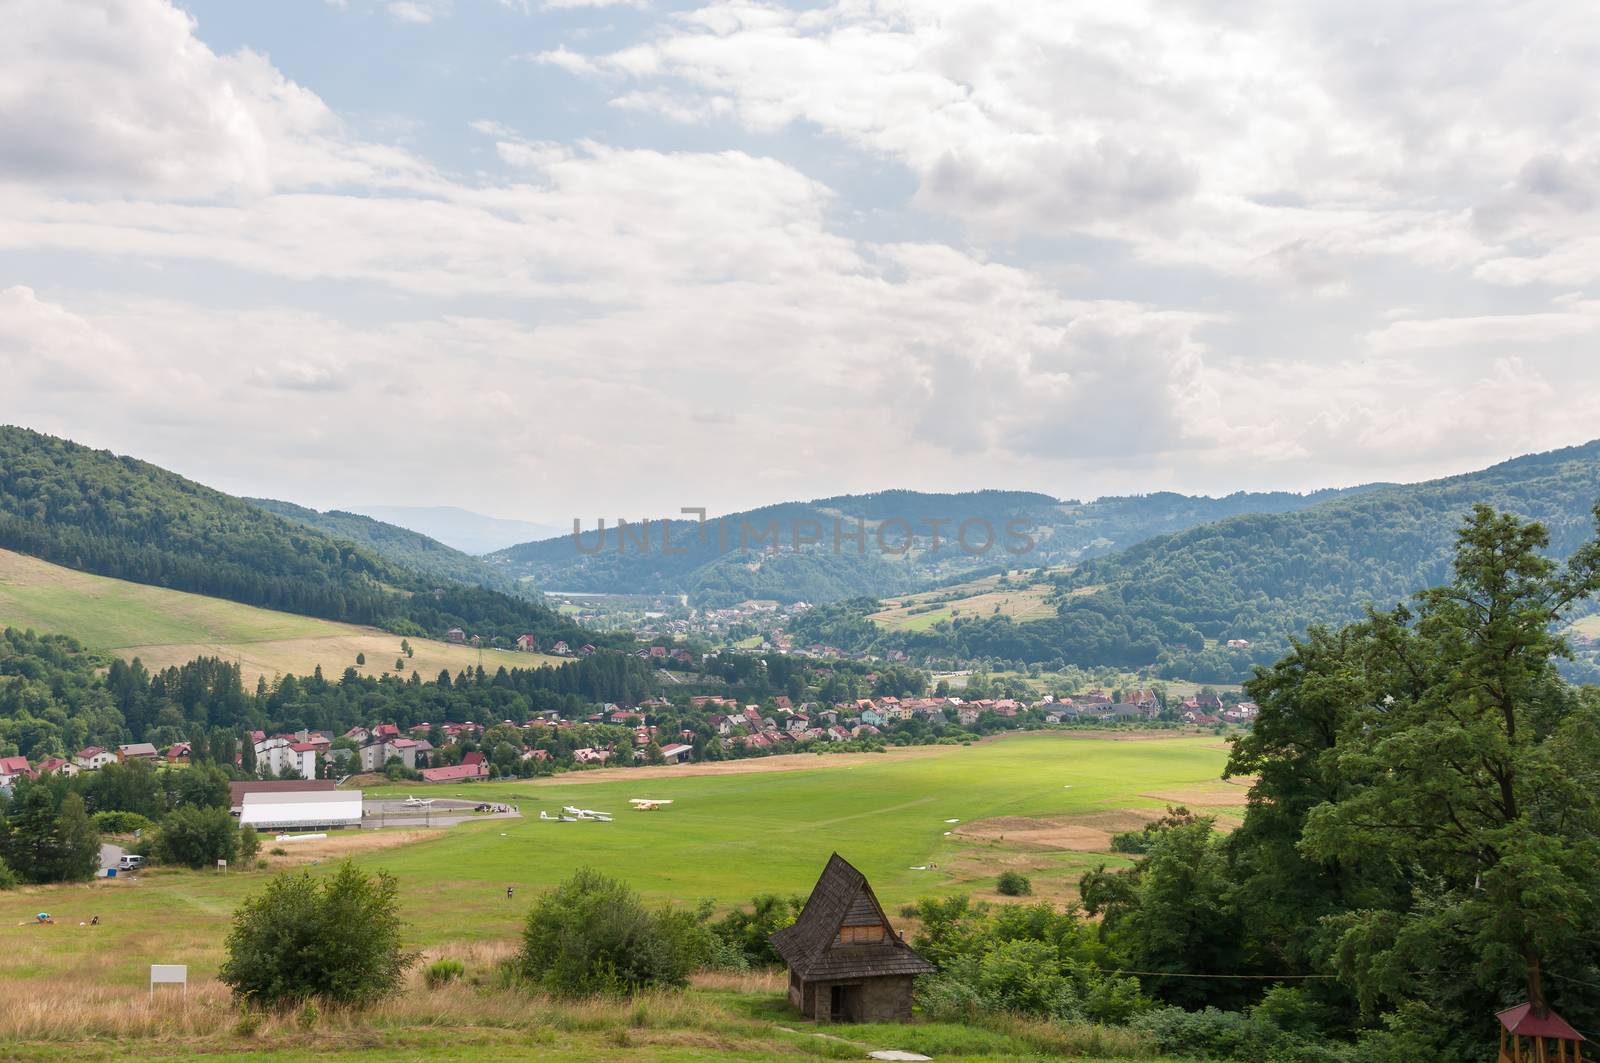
(1479, 769)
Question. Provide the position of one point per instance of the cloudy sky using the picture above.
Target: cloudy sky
(543, 258)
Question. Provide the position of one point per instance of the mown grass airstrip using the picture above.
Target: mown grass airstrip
(165, 627)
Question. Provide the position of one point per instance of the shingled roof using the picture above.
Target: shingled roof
(841, 898)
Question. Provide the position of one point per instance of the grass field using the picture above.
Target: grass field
(981, 597)
(1043, 803)
(726, 837)
(166, 627)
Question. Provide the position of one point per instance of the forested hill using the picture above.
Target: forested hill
(117, 516)
(402, 547)
(1265, 577)
(754, 554)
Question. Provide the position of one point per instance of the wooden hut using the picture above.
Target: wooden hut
(846, 963)
(1529, 1038)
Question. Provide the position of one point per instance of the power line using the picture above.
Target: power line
(1262, 977)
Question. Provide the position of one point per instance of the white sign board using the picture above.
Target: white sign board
(169, 973)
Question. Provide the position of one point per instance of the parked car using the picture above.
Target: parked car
(129, 862)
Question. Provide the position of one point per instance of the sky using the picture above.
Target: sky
(548, 259)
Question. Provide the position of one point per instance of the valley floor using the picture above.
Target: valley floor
(935, 822)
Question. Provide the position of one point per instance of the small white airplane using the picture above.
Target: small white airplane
(647, 804)
(586, 814)
(417, 802)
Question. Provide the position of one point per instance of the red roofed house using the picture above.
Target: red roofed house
(92, 758)
(12, 769)
(676, 753)
(456, 773)
(178, 753)
(527, 644)
(475, 757)
(55, 765)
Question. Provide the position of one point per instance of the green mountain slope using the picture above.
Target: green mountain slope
(1175, 602)
(769, 552)
(115, 516)
(405, 549)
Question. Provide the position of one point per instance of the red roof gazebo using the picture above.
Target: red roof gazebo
(1520, 1022)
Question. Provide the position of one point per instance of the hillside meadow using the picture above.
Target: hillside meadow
(1040, 803)
(165, 628)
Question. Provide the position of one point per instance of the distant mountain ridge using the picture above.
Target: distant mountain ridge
(1209, 602)
(734, 557)
(471, 533)
(408, 549)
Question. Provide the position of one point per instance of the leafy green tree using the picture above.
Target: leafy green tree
(203, 786)
(336, 940)
(197, 837)
(43, 843)
(361, 658)
(1480, 766)
(505, 758)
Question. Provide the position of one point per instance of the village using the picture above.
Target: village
(656, 731)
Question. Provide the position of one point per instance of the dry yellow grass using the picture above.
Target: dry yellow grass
(334, 653)
(165, 627)
(982, 598)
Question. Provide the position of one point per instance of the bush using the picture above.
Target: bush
(592, 934)
(336, 940)
(8, 878)
(1014, 884)
(249, 844)
(396, 771)
(121, 822)
(443, 972)
(1212, 1033)
(748, 933)
(197, 837)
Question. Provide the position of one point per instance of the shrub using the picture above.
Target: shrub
(197, 837)
(121, 822)
(335, 939)
(8, 878)
(747, 932)
(1014, 884)
(1025, 976)
(249, 844)
(592, 934)
(1215, 1034)
(443, 972)
(278, 850)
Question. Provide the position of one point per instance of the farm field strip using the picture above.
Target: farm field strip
(164, 627)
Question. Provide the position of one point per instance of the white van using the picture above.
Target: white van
(129, 862)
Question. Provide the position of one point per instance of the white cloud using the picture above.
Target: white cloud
(672, 318)
(418, 12)
(1249, 141)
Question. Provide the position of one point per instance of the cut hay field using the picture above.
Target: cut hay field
(165, 627)
(981, 597)
(1041, 803)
